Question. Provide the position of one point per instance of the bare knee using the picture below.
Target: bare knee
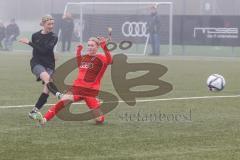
(45, 77)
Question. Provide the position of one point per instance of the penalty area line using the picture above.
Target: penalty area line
(138, 101)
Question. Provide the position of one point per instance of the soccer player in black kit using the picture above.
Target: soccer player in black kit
(43, 60)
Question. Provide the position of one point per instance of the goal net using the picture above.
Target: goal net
(129, 22)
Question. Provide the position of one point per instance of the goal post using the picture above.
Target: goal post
(128, 20)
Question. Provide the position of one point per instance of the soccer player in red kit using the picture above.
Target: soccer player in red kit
(91, 67)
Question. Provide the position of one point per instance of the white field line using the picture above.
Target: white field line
(139, 101)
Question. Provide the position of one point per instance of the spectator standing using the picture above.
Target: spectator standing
(67, 27)
(2, 33)
(12, 32)
(154, 31)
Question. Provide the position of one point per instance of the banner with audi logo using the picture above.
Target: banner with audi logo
(124, 27)
(134, 29)
(187, 29)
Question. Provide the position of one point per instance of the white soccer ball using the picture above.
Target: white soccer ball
(216, 82)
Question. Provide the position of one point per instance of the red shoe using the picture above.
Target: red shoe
(99, 120)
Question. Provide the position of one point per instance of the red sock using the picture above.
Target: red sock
(98, 113)
(54, 110)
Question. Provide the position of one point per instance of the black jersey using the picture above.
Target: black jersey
(43, 46)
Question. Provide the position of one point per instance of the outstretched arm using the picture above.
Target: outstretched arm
(41, 50)
(103, 44)
(78, 54)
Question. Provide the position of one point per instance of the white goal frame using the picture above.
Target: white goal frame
(170, 4)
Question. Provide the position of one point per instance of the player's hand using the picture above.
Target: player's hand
(79, 50)
(24, 40)
(79, 46)
(102, 41)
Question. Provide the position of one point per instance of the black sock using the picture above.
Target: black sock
(52, 88)
(41, 101)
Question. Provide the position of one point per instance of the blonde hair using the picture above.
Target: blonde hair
(95, 39)
(46, 18)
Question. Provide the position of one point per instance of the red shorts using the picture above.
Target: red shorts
(87, 94)
(92, 102)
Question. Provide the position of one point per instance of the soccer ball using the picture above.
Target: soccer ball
(216, 82)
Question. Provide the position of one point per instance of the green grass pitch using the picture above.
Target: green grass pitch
(206, 129)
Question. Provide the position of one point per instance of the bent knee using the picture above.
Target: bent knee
(45, 77)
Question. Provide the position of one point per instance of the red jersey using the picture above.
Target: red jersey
(91, 68)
